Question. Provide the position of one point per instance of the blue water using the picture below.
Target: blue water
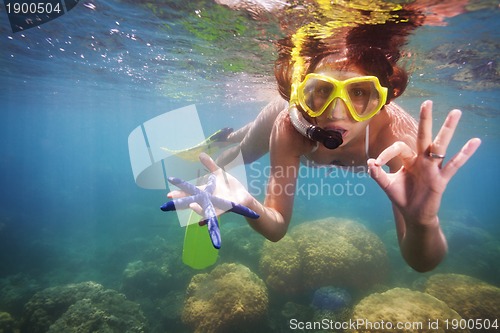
(73, 89)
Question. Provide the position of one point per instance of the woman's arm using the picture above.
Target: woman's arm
(423, 246)
(286, 146)
(253, 138)
(417, 187)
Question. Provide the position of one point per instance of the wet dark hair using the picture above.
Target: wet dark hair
(374, 49)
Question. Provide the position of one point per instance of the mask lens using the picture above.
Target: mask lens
(364, 97)
(316, 94)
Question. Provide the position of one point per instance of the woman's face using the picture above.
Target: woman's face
(337, 116)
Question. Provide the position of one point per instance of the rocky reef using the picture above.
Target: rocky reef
(416, 311)
(228, 299)
(470, 297)
(6, 323)
(145, 279)
(15, 291)
(331, 251)
(156, 271)
(83, 307)
(331, 298)
(241, 244)
(157, 281)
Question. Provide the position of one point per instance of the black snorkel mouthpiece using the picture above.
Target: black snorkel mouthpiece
(331, 139)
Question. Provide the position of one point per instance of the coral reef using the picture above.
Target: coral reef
(325, 252)
(297, 311)
(6, 323)
(331, 298)
(157, 281)
(416, 311)
(15, 291)
(473, 249)
(82, 307)
(145, 279)
(228, 299)
(157, 270)
(332, 304)
(241, 244)
(281, 265)
(470, 297)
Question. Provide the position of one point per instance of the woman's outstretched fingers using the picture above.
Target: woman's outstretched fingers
(443, 138)
(397, 149)
(208, 162)
(460, 158)
(175, 194)
(424, 136)
(378, 174)
(196, 208)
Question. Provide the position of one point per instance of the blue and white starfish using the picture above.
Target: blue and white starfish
(208, 202)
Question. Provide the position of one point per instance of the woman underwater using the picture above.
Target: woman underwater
(336, 108)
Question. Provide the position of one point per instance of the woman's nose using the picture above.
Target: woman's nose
(337, 110)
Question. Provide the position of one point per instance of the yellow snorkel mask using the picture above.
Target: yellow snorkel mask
(363, 96)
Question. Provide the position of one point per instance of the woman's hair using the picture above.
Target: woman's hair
(373, 48)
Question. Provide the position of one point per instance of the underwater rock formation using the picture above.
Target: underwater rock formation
(145, 279)
(6, 323)
(331, 303)
(331, 251)
(470, 297)
(417, 311)
(472, 248)
(83, 307)
(15, 291)
(292, 310)
(331, 298)
(157, 279)
(231, 298)
(241, 244)
(281, 265)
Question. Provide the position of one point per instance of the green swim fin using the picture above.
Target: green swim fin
(198, 251)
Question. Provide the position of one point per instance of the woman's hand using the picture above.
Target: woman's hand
(226, 187)
(417, 187)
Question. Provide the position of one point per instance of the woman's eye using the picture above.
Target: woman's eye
(357, 92)
(323, 91)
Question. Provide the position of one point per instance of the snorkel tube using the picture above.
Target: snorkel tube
(329, 138)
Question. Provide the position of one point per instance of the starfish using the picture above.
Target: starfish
(208, 202)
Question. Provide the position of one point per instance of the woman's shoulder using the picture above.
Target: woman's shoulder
(399, 116)
(392, 124)
(402, 126)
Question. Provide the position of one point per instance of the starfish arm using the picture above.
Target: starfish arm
(180, 203)
(229, 206)
(183, 185)
(214, 231)
(211, 183)
(210, 217)
(243, 210)
(222, 204)
(208, 202)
